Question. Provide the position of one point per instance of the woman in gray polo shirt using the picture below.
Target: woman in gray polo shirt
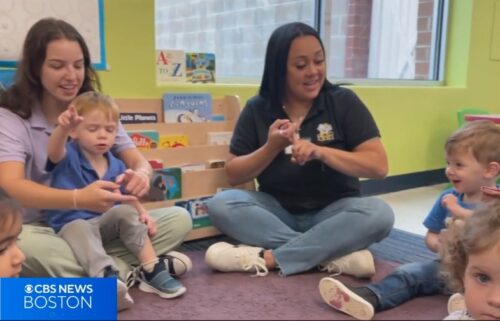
(55, 67)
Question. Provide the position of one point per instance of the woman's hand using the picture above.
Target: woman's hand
(281, 134)
(303, 151)
(490, 193)
(136, 182)
(100, 196)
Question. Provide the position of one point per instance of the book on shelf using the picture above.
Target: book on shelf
(192, 167)
(156, 163)
(170, 66)
(172, 141)
(216, 163)
(166, 184)
(197, 208)
(138, 118)
(219, 138)
(144, 139)
(187, 107)
(200, 67)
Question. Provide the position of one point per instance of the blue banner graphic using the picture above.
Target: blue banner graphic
(58, 299)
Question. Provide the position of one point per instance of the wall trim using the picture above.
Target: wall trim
(402, 182)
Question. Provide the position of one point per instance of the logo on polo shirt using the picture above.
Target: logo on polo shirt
(325, 132)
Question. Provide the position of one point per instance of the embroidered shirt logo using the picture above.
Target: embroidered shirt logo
(325, 132)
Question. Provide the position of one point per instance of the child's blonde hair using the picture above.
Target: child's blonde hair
(10, 213)
(481, 137)
(91, 100)
(480, 232)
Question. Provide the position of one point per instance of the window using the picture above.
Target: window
(364, 39)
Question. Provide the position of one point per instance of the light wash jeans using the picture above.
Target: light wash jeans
(409, 281)
(300, 242)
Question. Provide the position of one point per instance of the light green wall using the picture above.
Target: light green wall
(414, 121)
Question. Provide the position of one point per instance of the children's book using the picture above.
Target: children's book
(170, 66)
(166, 184)
(219, 138)
(172, 141)
(144, 139)
(198, 209)
(156, 163)
(187, 108)
(200, 67)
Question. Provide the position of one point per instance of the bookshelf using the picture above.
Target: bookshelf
(194, 183)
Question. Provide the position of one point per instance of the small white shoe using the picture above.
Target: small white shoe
(226, 257)
(123, 298)
(339, 297)
(456, 302)
(359, 264)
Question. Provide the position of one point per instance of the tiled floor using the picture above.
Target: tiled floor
(412, 206)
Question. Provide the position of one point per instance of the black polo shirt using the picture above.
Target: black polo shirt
(338, 119)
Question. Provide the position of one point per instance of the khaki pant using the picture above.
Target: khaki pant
(49, 255)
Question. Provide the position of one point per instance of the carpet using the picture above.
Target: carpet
(213, 295)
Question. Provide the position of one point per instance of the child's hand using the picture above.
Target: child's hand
(449, 201)
(69, 118)
(150, 223)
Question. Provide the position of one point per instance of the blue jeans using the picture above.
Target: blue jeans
(408, 281)
(300, 242)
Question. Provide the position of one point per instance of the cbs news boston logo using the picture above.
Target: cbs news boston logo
(57, 299)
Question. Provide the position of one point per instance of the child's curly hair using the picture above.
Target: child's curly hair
(479, 233)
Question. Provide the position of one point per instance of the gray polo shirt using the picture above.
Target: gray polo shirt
(25, 140)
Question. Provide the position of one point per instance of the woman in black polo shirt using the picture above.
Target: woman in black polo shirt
(306, 142)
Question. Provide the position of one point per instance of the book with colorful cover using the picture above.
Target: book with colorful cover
(144, 139)
(187, 107)
(200, 67)
(166, 184)
(170, 66)
(172, 141)
(198, 209)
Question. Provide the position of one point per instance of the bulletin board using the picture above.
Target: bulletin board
(17, 16)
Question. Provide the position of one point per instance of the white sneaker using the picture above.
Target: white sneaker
(123, 298)
(226, 257)
(339, 297)
(456, 302)
(359, 264)
(177, 263)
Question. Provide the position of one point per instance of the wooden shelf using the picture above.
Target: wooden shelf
(195, 184)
